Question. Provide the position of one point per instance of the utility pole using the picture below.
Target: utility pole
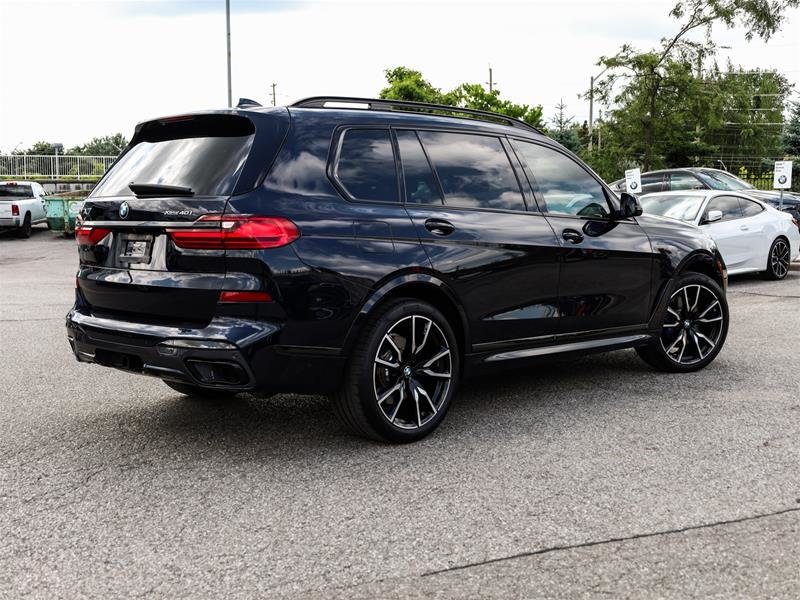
(491, 81)
(591, 104)
(228, 27)
(273, 94)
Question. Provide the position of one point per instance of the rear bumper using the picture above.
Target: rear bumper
(10, 222)
(229, 353)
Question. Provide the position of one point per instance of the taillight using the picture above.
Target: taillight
(244, 296)
(14, 210)
(86, 234)
(236, 232)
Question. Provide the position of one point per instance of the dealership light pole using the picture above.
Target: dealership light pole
(228, 27)
(591, 103)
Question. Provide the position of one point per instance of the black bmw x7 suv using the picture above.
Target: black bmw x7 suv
(377, 251)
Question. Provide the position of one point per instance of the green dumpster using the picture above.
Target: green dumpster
(61, 213)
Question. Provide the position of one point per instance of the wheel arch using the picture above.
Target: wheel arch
(703, 262)
(420, 286)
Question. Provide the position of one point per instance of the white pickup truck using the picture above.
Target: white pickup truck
(21, 206)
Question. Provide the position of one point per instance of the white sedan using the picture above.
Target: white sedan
(751, 235)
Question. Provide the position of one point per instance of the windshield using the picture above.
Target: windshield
(12, 190)
(683, 207)
(204, 154)
(719, 180)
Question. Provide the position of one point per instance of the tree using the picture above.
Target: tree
(791, 133)
(38, 148)
(659, 90)
(563, 130)
(408, 84)
(107, 145)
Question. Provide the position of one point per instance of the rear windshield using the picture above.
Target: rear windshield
(15, 191)
(204, 153)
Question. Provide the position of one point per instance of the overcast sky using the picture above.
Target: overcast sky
(70, 71)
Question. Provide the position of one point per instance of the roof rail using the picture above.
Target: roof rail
(409, 106)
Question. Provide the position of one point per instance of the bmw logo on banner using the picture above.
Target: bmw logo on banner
(124, 209)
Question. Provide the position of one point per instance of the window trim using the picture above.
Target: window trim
(742, 200)
(609, 194)
(402, 169)
(335, 154)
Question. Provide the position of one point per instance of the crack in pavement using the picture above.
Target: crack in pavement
(636, 536)
(761, 294)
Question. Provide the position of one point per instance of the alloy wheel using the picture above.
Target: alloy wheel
(412, 372)
(779, 259)
(693, 325)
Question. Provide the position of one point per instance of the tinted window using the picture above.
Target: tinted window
(719, 180)
(366, 165)
(567, 187)
(421, 186)
(474, 170)
(750, 208)
(205, 153)
(728, 205)
(652, 183)
(684, 181)
(12, 190)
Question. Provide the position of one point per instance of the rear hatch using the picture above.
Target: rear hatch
(174, 179)
(10, 193)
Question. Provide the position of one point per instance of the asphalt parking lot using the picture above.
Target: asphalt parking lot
(580, 478)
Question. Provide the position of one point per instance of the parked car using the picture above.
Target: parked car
(21, 206)
(711, 179)
(750, 234)
(378, 251)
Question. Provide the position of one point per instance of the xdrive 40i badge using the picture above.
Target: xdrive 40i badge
(177, 213)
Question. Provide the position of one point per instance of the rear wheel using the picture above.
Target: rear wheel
(778, 260)
(402, 374)
(199, 392)
(25, 229)
(694, 326)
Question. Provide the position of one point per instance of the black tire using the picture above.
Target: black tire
(199, 392)
(778, 260)
(24, 230)
(429, 383)
(689, 339)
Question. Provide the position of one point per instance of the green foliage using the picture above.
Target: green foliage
(408, 84)
(791, 133)
(563, 130)
(667, 114)
(38, 148)
(107, 145)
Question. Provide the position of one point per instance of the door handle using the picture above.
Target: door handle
(576, 237)
(439, 227)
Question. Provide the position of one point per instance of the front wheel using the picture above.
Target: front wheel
(401, 375)
(778, 260)
(694, 326)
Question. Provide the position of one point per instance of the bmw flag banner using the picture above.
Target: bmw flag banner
(633, 181)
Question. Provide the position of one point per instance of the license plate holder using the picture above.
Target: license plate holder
(135, 247)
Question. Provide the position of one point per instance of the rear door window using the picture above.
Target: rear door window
(205, 153)
(567, 188)
(365, 166)
(420, 183)
(684, 181)
(474, 170)
(750, 208)
(728, 205)
(652, 183)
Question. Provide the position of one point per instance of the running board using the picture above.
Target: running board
(622, 341)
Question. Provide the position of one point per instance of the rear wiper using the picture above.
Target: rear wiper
(149, 190)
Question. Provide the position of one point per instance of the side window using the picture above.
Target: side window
(421, 186)
(750, 208)
(729, 205)
(684, 181)
(474, 170)
(652, 183)
(365, 165)
(566, 186)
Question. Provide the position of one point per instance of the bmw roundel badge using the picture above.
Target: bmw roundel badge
(124, 209)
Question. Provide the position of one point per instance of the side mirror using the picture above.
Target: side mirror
(628, 206)
(712, 216)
